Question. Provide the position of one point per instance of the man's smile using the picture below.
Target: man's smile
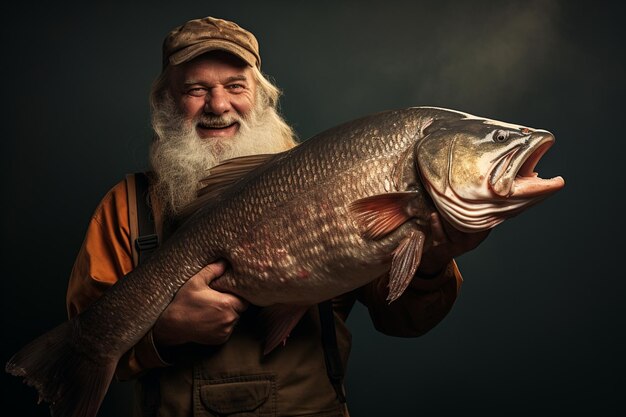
(217, 130)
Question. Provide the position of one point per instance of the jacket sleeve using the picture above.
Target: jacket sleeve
(420, 308)
(105, 257)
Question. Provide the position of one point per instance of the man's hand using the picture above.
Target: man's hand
(448, 243)
(198, 313)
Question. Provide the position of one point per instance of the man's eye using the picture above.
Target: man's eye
(235, 87)
(197, 92)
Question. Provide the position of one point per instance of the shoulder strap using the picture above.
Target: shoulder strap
(131, 197)
(334, 367)
(143, 236)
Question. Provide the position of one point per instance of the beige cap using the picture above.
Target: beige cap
(209, 34)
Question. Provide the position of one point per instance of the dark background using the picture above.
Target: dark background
(538, 328)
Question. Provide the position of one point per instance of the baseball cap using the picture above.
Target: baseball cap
(198, 36)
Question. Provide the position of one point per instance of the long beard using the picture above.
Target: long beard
(181, 159)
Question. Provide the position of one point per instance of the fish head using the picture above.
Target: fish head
(479, 172)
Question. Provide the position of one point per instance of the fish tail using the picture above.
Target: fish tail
(72, 383)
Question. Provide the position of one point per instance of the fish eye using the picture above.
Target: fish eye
(500, 136)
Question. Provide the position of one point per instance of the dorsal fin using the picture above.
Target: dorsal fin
(222, 176)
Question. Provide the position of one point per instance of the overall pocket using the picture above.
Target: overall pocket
(248, 395)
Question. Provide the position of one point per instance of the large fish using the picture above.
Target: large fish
(303, 226)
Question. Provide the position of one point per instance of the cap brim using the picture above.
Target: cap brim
(200, 48)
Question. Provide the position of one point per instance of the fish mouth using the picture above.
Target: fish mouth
(513, 174)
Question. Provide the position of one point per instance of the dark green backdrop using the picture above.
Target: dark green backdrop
(538, 328)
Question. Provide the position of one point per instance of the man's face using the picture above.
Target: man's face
(213, 93)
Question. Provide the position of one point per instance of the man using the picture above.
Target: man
(204, 357)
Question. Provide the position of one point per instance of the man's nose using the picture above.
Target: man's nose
(217, 102)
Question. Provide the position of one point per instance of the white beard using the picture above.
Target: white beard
(181, 159)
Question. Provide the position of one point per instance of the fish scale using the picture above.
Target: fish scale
(328, 216)
(333, 237)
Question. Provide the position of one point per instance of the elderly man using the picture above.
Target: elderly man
(204, 355)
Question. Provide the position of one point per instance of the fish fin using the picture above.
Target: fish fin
(381, 214)
(279, 320)
(406, 259)
(221, 177)
(64, 376)
(231, 170)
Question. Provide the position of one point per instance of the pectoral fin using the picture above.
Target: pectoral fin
(381, 214)
(406, 259)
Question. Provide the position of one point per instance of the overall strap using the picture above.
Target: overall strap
(334, 367)
(143, 241)
(143, 235)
